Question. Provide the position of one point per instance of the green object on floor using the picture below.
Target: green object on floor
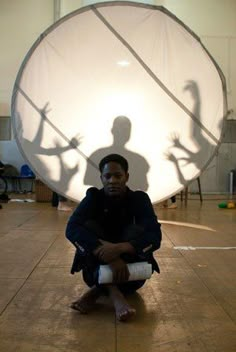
(222, 205)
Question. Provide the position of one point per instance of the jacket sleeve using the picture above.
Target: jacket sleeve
(77, 230)
(145, 218)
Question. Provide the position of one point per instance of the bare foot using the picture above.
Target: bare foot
(63, 206)
(164, 204)
(87, 301)
(123, 310)
(124, 313)
(172, 206)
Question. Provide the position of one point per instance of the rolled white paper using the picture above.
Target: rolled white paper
(138, 271)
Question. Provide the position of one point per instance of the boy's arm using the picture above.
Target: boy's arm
(83, 238)
(150, 237)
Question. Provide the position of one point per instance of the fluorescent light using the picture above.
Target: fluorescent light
(123, 63)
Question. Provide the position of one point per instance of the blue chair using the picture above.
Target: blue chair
(26, 174)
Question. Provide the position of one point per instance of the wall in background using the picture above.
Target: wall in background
(21, 23)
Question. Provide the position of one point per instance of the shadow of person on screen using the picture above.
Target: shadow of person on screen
(36, 150)
(203, 148)
(66, 173)
(138, 166)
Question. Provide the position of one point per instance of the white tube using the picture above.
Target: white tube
(138, 271)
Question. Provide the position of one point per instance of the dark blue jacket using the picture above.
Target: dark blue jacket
(97, 216)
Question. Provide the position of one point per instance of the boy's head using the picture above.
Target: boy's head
(114, 174)
(115, 158)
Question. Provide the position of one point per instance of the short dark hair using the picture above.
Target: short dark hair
(115, 158)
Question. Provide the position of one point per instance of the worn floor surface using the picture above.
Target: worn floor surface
(189, 307)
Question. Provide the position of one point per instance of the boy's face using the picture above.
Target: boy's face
(114, 179)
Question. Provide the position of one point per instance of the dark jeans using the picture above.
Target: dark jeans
(56, 198)
(173, 199)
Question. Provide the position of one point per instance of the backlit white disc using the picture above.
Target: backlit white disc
(119, 77)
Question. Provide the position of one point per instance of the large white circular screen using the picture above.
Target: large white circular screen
(122, 78)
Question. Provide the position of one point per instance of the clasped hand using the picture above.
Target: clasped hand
(120, 270)
(110, 253)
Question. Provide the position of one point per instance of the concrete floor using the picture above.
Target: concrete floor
(190, 306)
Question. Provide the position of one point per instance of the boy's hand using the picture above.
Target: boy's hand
(120, 270)
(108, 252)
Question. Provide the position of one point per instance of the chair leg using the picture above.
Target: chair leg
(184, 193)
(199, 188)
(186, 196)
